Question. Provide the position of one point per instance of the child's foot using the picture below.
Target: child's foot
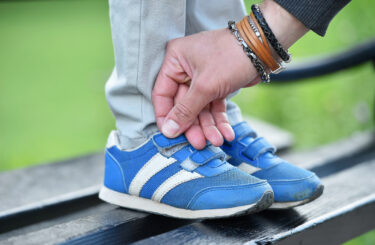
(292, 186)
(169, 177)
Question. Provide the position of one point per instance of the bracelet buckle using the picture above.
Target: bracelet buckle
(278, 70)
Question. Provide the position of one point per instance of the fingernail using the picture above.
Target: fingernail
(170, 128)
(187, 78)
(231, 135)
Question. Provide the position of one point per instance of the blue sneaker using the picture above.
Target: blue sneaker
(292, 186)
(169, 177)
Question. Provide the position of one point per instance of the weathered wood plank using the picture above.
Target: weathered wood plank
(357, 144)
(48, 184)
(45, 218)
(82, 218)
(260, 227)
(113, 226)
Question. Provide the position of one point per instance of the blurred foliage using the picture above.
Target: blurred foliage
(57, 55)
(55, 59)
(366, 239)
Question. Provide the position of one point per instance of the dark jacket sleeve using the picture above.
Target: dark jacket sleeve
(314, 14)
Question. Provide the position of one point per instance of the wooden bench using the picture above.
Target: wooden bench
(57, 203)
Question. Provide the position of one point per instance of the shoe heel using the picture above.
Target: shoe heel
(113, 176)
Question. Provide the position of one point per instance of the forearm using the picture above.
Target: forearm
(217, 66)
(314, 14)
(287, 28)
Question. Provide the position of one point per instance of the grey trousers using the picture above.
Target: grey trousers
(141, 30)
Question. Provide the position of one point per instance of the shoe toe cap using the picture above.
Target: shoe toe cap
(291, 183)
(229, 196)
(295, 190)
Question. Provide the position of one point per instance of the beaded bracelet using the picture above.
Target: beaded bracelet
(265, 77)
(284, 55)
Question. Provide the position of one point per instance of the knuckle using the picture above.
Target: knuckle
(172, 43)
(183, 113)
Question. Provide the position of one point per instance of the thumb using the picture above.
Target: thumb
(184, 112)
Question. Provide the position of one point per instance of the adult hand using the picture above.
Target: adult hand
(210, 65)
(211, 124)
(214, 65)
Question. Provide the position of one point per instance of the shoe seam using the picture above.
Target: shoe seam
(291, 181)
(122, 172)
(205, 190)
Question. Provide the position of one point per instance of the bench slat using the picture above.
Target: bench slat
(43, 186)
(346, 209)
(258, 227)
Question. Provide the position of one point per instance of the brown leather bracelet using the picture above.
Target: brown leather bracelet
(265, 41)
(260, 50)
(245, 37)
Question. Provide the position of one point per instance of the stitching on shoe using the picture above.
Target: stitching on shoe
(122, 172)
(233, 187)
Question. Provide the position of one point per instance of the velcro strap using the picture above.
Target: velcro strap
(242, 130)
(163, 142)
(258, 147)
(207, 154)
(198, 158)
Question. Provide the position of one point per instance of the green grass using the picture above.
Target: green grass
(55, 57)
(366, 239)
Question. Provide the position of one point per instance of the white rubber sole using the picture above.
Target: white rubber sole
(285, 205)
(143, 204)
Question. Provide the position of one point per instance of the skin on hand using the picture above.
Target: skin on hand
(213, 60)
(200, 70)
(212, 122)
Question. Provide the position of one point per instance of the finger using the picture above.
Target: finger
(185, 111)
(195, 136)
(209, 128)
(181, 92)
(218, 111)
(165, 88)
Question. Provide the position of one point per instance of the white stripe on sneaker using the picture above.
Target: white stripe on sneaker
(248, 168)
(178, 178)
(157, 163)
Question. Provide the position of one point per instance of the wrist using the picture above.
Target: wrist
(287, 28)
